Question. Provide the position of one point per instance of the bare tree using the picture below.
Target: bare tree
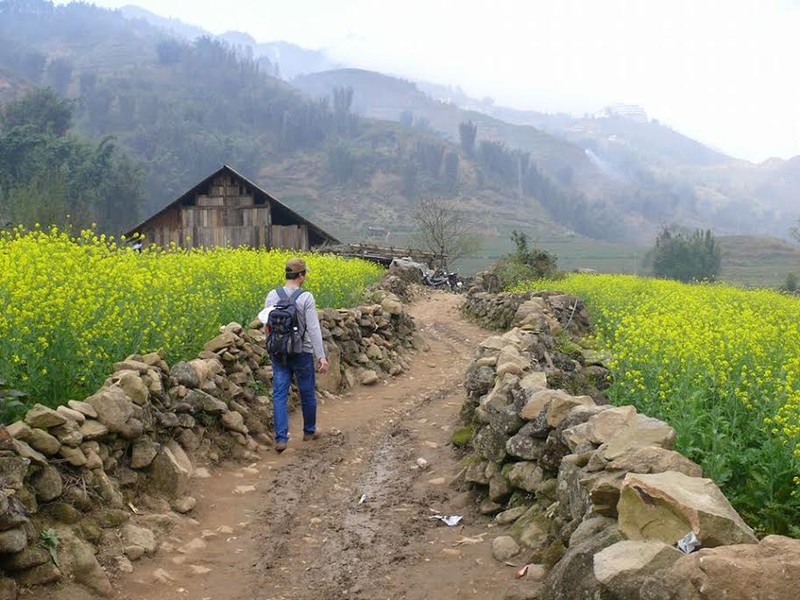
(445, 230)
(466, 133)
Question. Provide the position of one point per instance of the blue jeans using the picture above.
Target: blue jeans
(301, 367)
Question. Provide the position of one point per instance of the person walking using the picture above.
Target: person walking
(300, 366)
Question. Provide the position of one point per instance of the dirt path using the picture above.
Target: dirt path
(346, 516)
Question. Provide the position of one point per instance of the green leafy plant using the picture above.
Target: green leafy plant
(527, 262)
(11, 405)
(49, 540)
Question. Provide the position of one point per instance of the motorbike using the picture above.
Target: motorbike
(443, 280)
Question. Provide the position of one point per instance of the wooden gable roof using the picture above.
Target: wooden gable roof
(281, 214)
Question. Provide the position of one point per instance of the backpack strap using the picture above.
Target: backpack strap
(295, 294)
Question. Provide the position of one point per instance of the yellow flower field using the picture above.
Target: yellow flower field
(722, 366)
(77, 304)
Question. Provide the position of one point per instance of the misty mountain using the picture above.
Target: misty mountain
(167, 103)
(175, 27)
(639, 165)
(353, 148)
(286, 60)
(620, 156)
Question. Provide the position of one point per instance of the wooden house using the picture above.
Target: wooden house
(227, 209)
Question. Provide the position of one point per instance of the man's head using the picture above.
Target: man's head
(295, 268)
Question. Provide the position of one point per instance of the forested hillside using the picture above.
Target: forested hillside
(348, 149)
(182, 109)
(646, 170)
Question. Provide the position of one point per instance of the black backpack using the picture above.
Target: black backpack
(284, 337)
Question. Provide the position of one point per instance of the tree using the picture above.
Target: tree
(40, 109)
(445, 230)
(407, 118)
(790, 283)
(346, 121)
(686, 257)
(466, 134)
(451, 161)
(169, 51)
(26, 7)
(527, 262)
(50, 176)
(539, 260)
(59, 75)
(341, 161)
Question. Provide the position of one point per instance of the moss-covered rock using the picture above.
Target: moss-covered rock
(567, 346)
(553, 553)
(462, 436)
(90, 530)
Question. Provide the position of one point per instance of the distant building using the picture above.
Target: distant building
(227, 209)
(627, 111)
(378, 233)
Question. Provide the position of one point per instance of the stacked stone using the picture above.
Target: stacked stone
(595, 494)
(366, 342)
(82, 469)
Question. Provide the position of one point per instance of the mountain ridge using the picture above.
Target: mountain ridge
(596, 176)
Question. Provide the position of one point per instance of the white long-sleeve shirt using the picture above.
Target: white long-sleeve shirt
(307, 318)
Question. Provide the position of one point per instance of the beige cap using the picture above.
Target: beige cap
(295, 265)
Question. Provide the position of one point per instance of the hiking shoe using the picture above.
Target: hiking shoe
(280, 447)
(311, 436)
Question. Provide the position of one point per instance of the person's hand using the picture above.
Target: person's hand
(323, 365)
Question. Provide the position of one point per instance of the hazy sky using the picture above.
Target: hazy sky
(724, 72)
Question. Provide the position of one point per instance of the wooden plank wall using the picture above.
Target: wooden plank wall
(225, 226)
(290, 236)
(225, 216)
(164, 230)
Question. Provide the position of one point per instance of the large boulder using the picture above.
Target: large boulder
(512, 362)
(490, 443)
(203, 402)
(43, 417)
(40, 440)
(639, 432)
(47, 484)
(171, 470)
(136, 389)
(13, 540)
(392, 305)
(332, 380)
(573, 576)
(605, 426)
(524, 446)
(113, 408)
(525, 475)
(77, 559)
(653, 459)
(143, 452)
(224, 340)
(621, 568)
(185, 374)
(666, 506)
(573, 497)
(769, 571)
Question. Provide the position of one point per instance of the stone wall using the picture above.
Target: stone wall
(71, 479)
(592, 498)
